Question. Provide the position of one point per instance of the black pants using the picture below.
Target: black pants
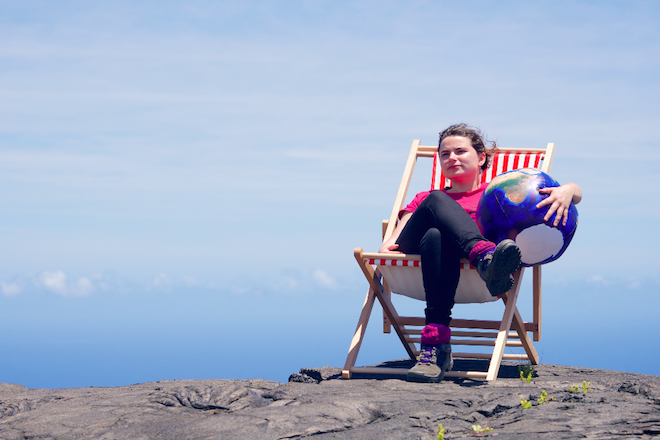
(442, 233)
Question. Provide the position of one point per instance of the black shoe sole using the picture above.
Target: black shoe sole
(423, 379)
(506, 260)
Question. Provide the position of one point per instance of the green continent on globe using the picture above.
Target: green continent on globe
(513, 184)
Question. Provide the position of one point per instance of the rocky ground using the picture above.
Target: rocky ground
(581, 403)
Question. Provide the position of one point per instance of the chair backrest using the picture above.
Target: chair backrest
(503, 160)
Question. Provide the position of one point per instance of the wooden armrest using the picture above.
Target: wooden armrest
(410, 257)
(382, 256)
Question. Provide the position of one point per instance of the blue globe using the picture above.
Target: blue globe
(507, 209)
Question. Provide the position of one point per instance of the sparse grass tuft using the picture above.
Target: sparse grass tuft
(543, 397)
(585, 387)
(526, 372)
(441, 432)
(477, 429)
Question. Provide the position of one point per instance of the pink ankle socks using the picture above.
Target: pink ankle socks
(480, 248)
(435, 334)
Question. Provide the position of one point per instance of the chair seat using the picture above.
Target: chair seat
(404, 276)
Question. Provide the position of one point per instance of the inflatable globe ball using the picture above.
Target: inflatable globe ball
(507, 209)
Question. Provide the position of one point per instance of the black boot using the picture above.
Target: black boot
(495, 267)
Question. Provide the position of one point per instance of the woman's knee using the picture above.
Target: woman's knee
(437, 198)
(431, 239)
(435, 204)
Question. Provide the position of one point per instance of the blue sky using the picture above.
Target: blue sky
(183, 183)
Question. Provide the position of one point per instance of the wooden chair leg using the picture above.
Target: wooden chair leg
(387, 326)
(356, 343)
(528, 345)
(374, 278)
(510, 298)
(536, 280)
(393, 316)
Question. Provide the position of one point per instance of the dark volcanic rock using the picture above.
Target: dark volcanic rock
(318, 403)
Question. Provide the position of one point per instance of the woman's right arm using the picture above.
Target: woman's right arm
(389, 245)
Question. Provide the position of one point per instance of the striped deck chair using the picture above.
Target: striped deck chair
(402, 274)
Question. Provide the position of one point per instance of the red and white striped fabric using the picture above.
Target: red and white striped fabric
(405, 276)
(503, 161)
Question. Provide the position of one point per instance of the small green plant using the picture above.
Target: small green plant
(525, 403)
(441, 432)
(585, 387)
(477, 429)
(526, 372)
(543, 397)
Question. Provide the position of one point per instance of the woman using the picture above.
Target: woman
(441, 227)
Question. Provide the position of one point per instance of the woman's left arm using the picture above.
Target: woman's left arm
(560, 199)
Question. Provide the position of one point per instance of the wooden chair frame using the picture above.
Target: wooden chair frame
(510, 331)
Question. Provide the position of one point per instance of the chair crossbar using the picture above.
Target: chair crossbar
(418, 331)
(476, 375)
(462, 323)
(505, 356)
(423, 149)
(486, 342)
(481, 334)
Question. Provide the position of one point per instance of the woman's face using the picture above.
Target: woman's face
(459, 161)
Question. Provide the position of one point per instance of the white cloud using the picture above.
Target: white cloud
(83, 287)
(289, 283)
(10, 289)
(162, 280)
(167, 282)
(599, 280)
(54, 282)
(58, 283)
(109, 282)
(189, 281)
(323, 279)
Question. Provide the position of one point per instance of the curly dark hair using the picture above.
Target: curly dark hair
(477, 138)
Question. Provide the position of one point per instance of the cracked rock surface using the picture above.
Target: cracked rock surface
(318, 403)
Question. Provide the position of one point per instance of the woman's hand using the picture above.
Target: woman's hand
(389, 246)
(389, 249)
(560, 199)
